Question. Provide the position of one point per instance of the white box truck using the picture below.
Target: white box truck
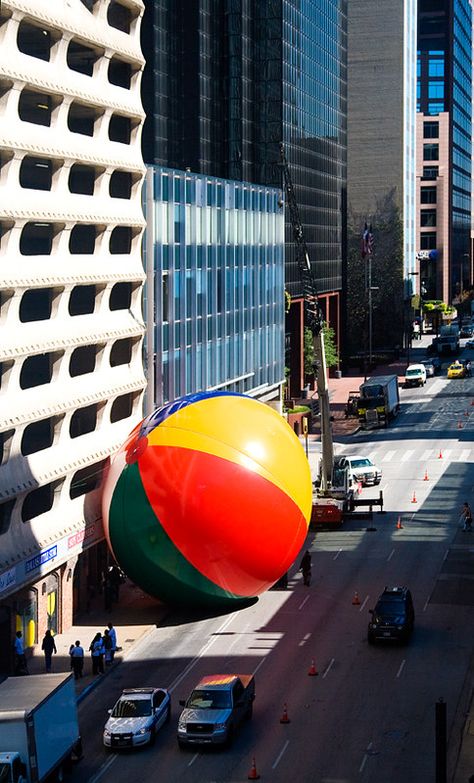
(39, 730)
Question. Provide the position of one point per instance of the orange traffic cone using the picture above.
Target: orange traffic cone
(355, 600)
(414, 500)
(359, 487)
(425, 477)
(284, 718)
(399, 524)
(459, 424)
(312, 671)
(440, 455)
(253, 774)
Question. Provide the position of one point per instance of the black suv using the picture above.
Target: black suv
(393, 617)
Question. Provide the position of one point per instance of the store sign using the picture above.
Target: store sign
(7, 579)
(38, 560)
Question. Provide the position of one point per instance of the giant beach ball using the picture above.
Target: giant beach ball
(208, 501)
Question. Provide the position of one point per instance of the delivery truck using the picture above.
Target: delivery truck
(39, 731)
(379, 401)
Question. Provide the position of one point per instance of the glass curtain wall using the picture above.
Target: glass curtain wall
(219, 281)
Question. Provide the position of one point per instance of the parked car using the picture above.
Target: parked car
(415, 375)
(429, 367)
(136, 717)
(467, 330)
(469, 344)
(393, 618)
(456, 370)
(361, 469)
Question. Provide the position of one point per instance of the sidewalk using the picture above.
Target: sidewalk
(133, 616)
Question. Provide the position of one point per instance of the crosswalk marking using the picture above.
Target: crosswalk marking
(407, 455)
(389, 456)
(464, 455)
(426, 455)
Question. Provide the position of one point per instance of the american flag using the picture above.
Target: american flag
(367, 244)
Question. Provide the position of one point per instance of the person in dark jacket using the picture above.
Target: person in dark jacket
(97, 654)
(48, 646)
(305, 567)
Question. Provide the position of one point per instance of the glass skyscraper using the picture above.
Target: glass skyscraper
(218, 263)
(226, 81)
(444, 97)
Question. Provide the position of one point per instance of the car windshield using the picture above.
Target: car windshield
(132, 708)
(390, 608)
(361, 463)
(209, 700)
(415, 371)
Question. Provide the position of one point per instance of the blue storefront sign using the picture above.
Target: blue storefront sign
(38, 560)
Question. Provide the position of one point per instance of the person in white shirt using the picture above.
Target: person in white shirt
(21, 666)
(113, 637)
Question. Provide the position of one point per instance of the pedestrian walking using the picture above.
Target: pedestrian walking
(97, 654)
(77, 659)
(466, 517)
(48, 646)
(113, 637)
(20, 665)
(305, 567)
(116, 578)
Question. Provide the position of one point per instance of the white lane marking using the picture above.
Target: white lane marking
(426, 455)
(401, 667)
(258, 666)
(303, 602)
(328, 668)
(366, 756)
(196, 756)
(304, 640)
(278, 758)
(203, 651)
(426, 603)
(103, 768)
(337, 554)
(446, 555)
(365, 601)
(446, 454)
(390, 555)
(407, 455)
(372, 456)
(389, 456)
(464, 455)
(384, 487)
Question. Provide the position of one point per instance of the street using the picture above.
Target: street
(369, 715)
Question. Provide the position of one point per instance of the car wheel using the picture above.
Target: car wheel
(370, 638)
(377, 481)
(152, 736)
(182, 745)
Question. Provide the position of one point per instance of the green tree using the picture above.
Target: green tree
(330, 349)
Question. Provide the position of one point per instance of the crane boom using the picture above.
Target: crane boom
(313, 318)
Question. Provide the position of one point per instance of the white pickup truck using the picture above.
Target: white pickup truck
(215, 708)
(361, 469)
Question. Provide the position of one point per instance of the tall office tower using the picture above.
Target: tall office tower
(444, 128)
(381, 168)
(225, 83)
(70, 288)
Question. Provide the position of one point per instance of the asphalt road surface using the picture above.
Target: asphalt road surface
(369, 715)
